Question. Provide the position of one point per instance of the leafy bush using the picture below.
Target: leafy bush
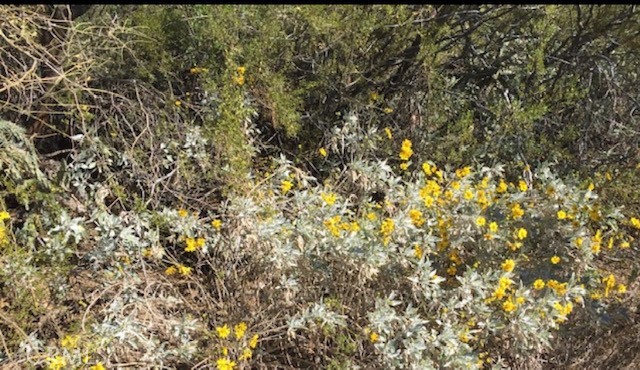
(316, 186)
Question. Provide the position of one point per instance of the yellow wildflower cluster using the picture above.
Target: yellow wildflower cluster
(635, 222)
(559, 288)
(386, 229)
(194, 244)
(417, 251)
(517, 211)
(610, 282)
(563, 311)
(502, 187)
(69, 341)
(504, 285)
(430, 192)
(178, 268)
(56, 363)
(223, 332)
(334, 225)
(239, 77)
(323, 152)
(97, 366)
(406, 152)
(225, 364)
(463, 172)
(329, 198)
(416, 217)
(3, 231)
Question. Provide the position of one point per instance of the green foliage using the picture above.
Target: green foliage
(352, 184)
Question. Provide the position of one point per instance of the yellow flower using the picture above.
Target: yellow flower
(463, 172)
(502, 186)
(406, 152)
(522, 186)
(417, 251)
(388, 110)
(200, 242)
(246, 354)
(371, 216)
(416, 217)
(330, 198)
(241, 70)
(239, 80)
(69, 341)
(520, 300)
(286, 186)
(217, 224)
(387, 131)
(97, 366)
(254, 341)
(386, 229)
(184, 270)
(634, 222)
(183, 212)
(191, 245)
(610, 282)
(517, 211)
(508, 306)
(481, 221)
(538, 284)
(508, 265)
(622, 288)
(555, 260)
(4, 215)
(522, 233)
(171, 270)
(240, 329)
(426, 167)
(591, 186)
(374, 96)
(404, 166)
(56, 363)
(514, 246)
(223, 331)
(178, 103)
(323, 152)
(374, 337)
(625, 245)
(468, 194)
(562, 215)
(225, 364)
(493, 227)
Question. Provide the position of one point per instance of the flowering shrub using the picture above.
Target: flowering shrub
(169, 234)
